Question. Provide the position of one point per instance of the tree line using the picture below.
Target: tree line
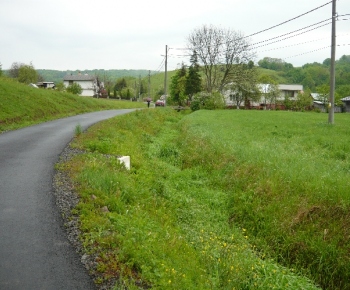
(224, 64)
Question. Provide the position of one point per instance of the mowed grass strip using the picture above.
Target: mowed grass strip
(183, 216)
(21, 105)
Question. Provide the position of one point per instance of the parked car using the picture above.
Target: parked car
(160, 103)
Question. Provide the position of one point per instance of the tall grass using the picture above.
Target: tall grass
(289, 186)
(21, 105)
(176, 220)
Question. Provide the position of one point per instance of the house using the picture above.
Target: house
(285, 92)
(87, 83)
(320, 102)
(346, 102)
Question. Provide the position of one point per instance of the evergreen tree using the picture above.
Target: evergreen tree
(178, 85)
(193, 81)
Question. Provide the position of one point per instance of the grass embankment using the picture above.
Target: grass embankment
(21, 105)
(217, 200)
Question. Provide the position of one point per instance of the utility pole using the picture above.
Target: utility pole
(140, 87)
(149, 84)
(165, 74)
(135, 90)
(332, 72)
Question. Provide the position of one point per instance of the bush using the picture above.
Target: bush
(195, 105)
(208, 101)
(75, 89)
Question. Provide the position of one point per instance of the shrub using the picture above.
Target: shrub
(75, 89)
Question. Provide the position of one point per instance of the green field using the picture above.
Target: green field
(21, 105)
(216, 200)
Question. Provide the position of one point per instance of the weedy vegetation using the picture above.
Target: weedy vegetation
(216, 200)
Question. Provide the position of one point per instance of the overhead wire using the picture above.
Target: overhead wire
(288, 20)
(300, 29)
(289, 33)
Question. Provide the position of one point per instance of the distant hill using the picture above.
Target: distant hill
(56, 76)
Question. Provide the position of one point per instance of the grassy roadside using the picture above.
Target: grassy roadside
(216, 200)
(21, 105)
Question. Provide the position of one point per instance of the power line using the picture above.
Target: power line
(300, 29)
(293, 32)
(308, 52)
(297, 44)
(288, 20)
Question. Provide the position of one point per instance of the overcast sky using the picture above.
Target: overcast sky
(112, 34)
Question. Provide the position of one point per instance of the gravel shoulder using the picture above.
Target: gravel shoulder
(66, 200)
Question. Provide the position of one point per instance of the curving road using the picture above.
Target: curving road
(34, 250)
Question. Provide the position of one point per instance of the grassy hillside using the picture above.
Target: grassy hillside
(217, 200)
(275, 75)
(21, 105)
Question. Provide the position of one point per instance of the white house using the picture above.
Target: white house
(286, 91)
(87, 83)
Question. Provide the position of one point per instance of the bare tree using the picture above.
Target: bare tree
(14, 70)
(219, 50)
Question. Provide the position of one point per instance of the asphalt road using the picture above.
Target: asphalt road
(34, 250)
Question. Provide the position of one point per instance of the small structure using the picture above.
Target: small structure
(46, 85)
(346, 102)
(87, 83)
(320, 102)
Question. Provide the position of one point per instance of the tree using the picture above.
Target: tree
(270, 90)
(178, 85)
(244, 86)
(27, 74)
(208, 101)
(303, 101)
(343, 91)
(14, 70)
(274, 64)
(75, 89)
(60, 87)
(193, 80)
(0, 69)
(219, 50)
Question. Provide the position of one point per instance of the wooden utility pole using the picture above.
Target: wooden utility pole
(332, 72)
(165, 74)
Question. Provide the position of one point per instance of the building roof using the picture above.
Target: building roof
(78, 78)
(295, 87)
(346, 99)
(290, 87)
